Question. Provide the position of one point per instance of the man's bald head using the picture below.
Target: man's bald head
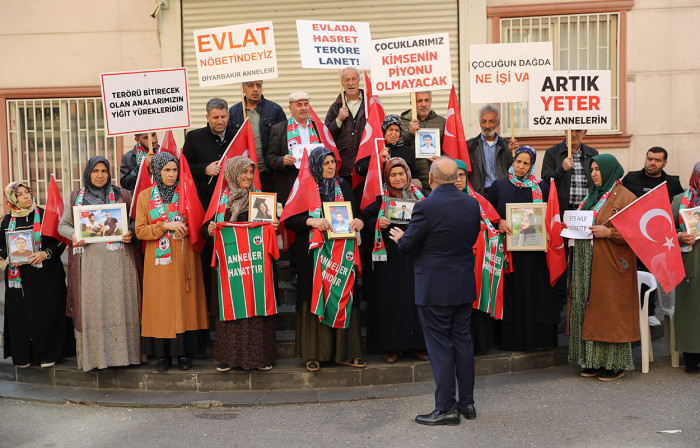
(443, 171)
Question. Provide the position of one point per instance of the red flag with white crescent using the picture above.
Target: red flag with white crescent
(454, 142)
(326, 138)
(556, 257)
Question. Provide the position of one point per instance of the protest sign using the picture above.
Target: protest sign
(411, 64)
(501, 72)
(146, 100)
(235, 53)
(577, 99)
(336, 45)
(577, 224)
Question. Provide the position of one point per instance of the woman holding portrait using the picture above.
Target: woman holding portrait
(687, 306)
(394, 147)
(317, 342)
(103, 280)
(36, 328)
(530, 305)
(248, 343)
(604, 300)
(392, 292)
(174, 304)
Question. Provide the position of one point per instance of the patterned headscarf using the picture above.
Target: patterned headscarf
(533, 157)
(326, 187)
(406, 192)
(237, 196)
(610, 172)
(94, 195)
(693, 185)
(389, 120)
(157, 164)
(11, 200)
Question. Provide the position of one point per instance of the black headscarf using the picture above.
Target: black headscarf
(325, 186)
(158, 162)
(94, 195)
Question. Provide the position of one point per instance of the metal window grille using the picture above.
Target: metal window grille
(56, 135)
(580, 41)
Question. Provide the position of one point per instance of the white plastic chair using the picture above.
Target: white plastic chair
(645, 278)
(667, 303)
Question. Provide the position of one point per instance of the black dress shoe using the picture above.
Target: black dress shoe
(184, 363)
(437, 418)
(468, 411)
(163, 364)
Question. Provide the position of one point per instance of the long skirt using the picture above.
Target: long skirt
(590, 354)
(318, 341)
(246, 343)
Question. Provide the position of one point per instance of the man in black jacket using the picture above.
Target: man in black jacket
(490, 155)
(131, 160)
(204, 147)
(263, 114)
(347, 123)
(572, 175)
(643, 181)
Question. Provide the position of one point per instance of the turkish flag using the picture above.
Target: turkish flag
(303, 198)
(486, 206)
(373, 182)
(53, 213)
(243, 144)
(556, 258)
(454, 142)
(373, 130)
(190, 207)
(143, 181)
(648, 228)
(326, 137)
(371, 99)
(168, 144)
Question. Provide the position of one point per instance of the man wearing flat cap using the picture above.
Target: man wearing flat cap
(288, 138)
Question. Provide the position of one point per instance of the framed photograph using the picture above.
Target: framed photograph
(103, 223)
(20, 245)
(399, 211)
(262, 207)
(691, 218)
(527, 221)
(339, 214)
(427, 143)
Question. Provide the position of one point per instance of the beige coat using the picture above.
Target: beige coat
(612, 313)
(173, 294)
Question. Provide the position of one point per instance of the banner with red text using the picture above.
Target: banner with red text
(411, 64)
(500, 72)
(235, 53)
(577, 99)
(336, 45)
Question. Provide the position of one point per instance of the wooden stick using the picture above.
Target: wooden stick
(568, 141)
(414, 112)
(243, 101)
(512, 127)
(342, 87)
(150, 145)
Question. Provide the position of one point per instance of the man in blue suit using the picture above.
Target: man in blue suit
(443, 231)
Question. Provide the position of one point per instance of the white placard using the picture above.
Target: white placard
(235, 53)
(501, 72)
(335, 45)
(298, 153)
(577, 224)
(411, 64)
(561, 100)
(146, 100)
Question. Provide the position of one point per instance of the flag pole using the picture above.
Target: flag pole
(512, 127)
(150, 145)
(243, 101)
(342, 87)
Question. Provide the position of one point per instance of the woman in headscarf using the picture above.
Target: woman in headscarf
(604, 301)
(174, 306)
(315, 341)
(687, 306)
(248, 343)
(391, 130)
(531, 310)
(36, 327)
(392, 292)
(103, 280)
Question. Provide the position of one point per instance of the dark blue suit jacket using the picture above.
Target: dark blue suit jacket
(443, 231)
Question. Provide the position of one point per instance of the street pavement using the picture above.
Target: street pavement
(552, 407)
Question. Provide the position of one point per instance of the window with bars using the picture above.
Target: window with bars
(580, 41)
(56, 135)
